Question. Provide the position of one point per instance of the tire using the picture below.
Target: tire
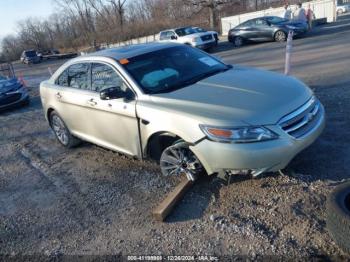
(61, 131)
(178, 159)
(338, 216)
(238, 41)
(280, 36)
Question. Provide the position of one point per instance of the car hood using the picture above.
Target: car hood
(8, 85)
(239, 96)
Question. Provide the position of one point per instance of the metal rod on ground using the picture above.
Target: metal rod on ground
(167, 205)
(288, 52)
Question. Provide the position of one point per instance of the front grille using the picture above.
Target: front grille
(302, 121)
(8, 99)
(206, 37)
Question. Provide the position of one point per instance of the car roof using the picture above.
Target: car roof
(173, 29)
(131, 50)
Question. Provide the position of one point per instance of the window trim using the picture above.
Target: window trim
(90, 78)
(67, 70)
(117, 72)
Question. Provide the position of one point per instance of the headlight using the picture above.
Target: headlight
(196, 39)
(239, 134)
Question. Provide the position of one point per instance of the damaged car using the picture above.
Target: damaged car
(183, 108)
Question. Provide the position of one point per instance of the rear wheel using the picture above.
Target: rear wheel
(238, 41)
(178, 159)
(61, 131)
(280, 36)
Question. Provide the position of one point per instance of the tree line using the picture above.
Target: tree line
(78, 24)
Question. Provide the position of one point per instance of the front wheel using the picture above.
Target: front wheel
(280, 36)
(61, 131)
(178, 159)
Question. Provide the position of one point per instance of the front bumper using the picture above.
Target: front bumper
(21, 95)
(205, 45)
(268, 156)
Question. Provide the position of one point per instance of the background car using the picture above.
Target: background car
(194, 36)
(341, 9)
(30, 57)
(268, 28)
(12, 91)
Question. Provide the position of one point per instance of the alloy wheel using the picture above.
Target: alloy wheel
(60, 130)
(280, 36)
(178, 159)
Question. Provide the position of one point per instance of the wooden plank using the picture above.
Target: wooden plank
(167, 205)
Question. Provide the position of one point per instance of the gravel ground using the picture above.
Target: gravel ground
(91, 201)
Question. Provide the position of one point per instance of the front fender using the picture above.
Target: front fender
(153, 120)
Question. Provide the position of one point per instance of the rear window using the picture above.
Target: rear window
(30, 53)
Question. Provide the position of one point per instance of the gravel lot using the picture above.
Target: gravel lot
(91, 201)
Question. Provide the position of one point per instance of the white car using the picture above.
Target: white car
(341, 9)
(194, 36)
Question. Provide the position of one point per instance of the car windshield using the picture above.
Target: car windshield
(172, 68)
(276, 20)
(30, 53)
(185, 31)
(199, 30)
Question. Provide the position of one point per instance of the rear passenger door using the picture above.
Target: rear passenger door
(72, 95)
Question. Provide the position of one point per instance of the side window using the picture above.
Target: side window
(62, 80)
(78, 76)
(162, 36)
(104, 76)
(260, 22)
(170, 34)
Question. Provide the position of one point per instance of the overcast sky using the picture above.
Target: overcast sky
(11, 11)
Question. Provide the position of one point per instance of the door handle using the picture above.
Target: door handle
(92, 102)
(58, 95)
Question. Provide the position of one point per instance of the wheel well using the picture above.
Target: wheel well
(158, 142)
(49, 111)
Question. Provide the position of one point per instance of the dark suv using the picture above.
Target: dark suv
(30, 57)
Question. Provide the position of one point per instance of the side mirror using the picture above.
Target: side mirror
(111, 93)
(173, 37)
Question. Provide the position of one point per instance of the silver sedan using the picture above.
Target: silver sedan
(184, 108)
